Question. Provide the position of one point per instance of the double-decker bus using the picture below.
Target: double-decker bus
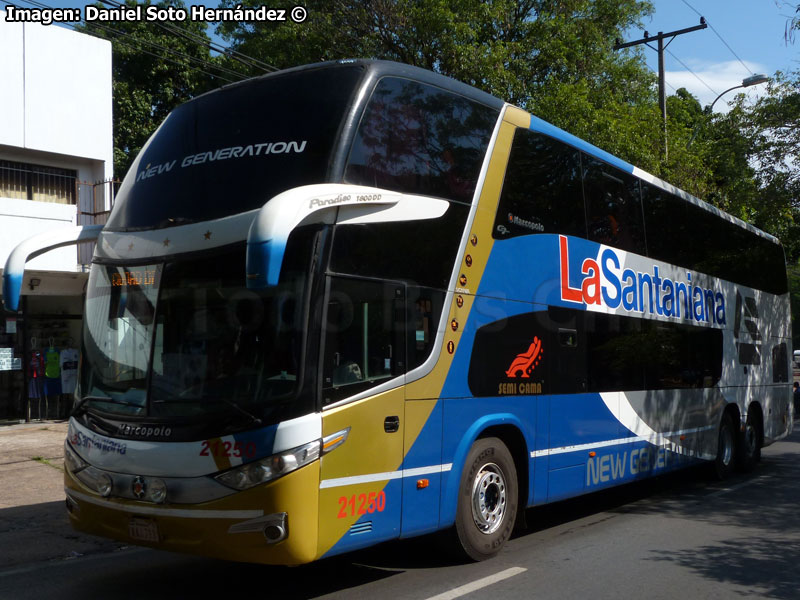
(359, 301)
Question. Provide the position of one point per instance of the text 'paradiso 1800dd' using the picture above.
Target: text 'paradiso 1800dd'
(358, 301)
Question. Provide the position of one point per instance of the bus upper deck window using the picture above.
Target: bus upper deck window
(420, 139)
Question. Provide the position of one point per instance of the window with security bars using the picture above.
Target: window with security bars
(27, 181)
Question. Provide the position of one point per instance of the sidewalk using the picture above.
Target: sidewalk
(34, 525)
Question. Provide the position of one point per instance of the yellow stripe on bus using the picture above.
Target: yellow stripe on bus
(366, 444)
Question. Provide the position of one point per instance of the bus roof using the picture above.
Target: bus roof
(381, 68)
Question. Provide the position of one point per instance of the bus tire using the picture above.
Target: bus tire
(726, 448)
(748, 454)
(487, 499)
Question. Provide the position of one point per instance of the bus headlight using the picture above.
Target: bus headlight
(158, 491)
(104, 485)
(73, 462)
(272, 467)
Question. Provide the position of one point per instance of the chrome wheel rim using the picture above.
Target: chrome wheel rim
(489, 498)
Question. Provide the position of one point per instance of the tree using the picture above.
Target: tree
(553, 57)
(156, 66)
(774, 124)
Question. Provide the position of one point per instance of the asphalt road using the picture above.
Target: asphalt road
(680, 536)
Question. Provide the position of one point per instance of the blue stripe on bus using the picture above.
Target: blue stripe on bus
(528, 268)
(421, 505)
(553, 131)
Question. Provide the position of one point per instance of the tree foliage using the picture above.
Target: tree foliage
(774, 129)
(555, 58)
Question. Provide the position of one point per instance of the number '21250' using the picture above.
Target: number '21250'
(361, 504)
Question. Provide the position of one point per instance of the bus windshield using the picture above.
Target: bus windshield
(210, 346)
(230, 151)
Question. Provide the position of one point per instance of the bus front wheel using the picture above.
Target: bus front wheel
(487, 499)
(726, 448)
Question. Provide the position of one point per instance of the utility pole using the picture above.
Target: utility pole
(662, 96)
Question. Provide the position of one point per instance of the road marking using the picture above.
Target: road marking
(480, 583)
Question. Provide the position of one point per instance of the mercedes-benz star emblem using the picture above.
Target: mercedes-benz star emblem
(138, 487)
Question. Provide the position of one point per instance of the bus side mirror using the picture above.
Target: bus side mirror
(269, 232)
(35, 245)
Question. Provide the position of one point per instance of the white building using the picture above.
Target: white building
(56, 149)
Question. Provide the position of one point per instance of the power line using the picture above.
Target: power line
(137, 49)
(692, 72)
(116, 38)
(669, 85)
(233, 54)
(237, 74)
(721, 39)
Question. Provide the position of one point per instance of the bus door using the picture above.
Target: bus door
(363, 419)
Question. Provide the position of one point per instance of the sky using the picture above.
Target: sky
(702, 63)
(754, 31)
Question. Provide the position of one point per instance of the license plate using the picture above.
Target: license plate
(143, 530)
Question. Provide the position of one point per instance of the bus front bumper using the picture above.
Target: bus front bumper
(275, 523)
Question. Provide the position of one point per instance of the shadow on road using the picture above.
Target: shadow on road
(759, 548)
(41, 532)
(757, 516)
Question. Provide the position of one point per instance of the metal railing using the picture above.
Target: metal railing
(95, 201)
(40, 183)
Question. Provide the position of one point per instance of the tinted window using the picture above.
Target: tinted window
(230, 151)
(542, 189)
(668, 233)
(687, 235)
(513, 356)
(421, 252)
(365, 336)
(626, 354)
(613, 206)
(425, 309)
(565, 351)
(422, 140)
(780, 363)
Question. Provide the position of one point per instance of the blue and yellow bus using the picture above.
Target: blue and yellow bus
(359, 301)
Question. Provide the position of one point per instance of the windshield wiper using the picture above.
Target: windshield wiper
(82, 402)
(253, 419)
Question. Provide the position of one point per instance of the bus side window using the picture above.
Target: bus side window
(541, 190)
(420, 139)
(780, 363)
(365, 333)
(425, 308)
(686, 235)
(421, 251)
(613, 206)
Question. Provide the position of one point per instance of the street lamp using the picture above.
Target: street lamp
(746, 82)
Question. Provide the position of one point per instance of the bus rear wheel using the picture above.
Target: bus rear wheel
(748, 453)
(487, 499)
(726, 448)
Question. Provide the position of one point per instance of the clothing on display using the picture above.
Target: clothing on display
(69, 370)
(36, 375)
(52, 372)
